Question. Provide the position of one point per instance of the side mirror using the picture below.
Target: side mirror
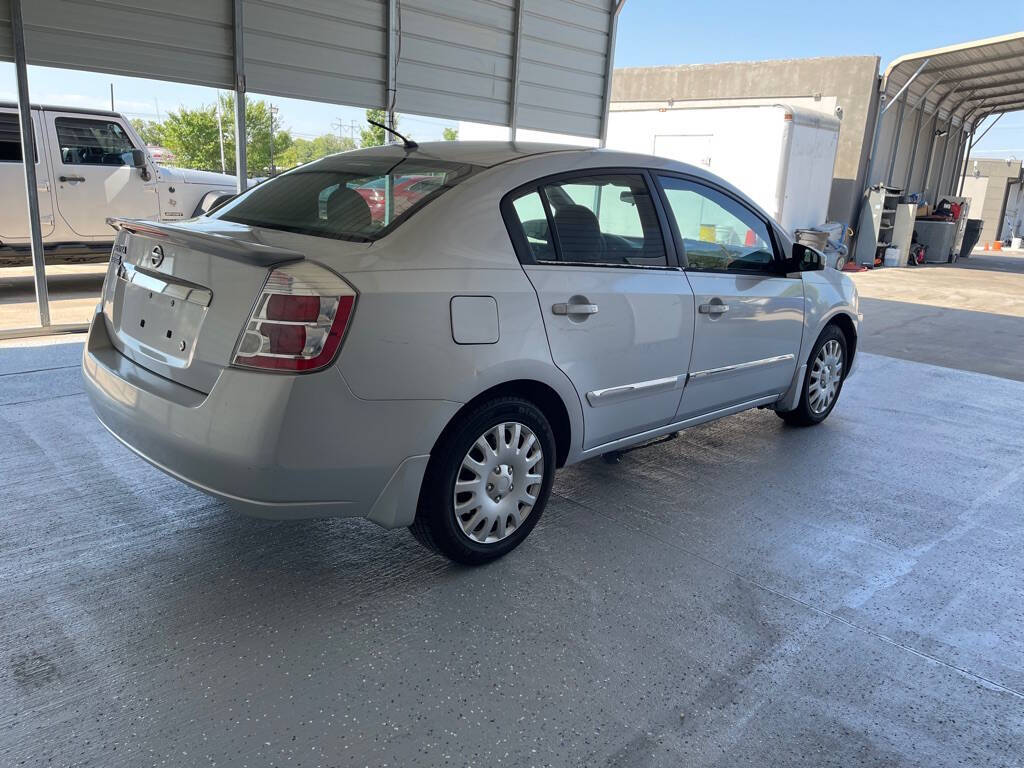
(806, 259)
(139, 161)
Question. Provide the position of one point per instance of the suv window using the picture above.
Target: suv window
(92, 142)
(344, 196)
(719, 234)
(598, 219)
(10, 138)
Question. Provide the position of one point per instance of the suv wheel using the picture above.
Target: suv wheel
(487, 482)
(826, 370)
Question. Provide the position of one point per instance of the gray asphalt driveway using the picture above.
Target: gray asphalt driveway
(748, 594)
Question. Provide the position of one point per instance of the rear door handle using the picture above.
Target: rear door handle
(713, 309)
(574, 309)
(72, 178)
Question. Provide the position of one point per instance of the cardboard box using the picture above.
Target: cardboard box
(924, 210)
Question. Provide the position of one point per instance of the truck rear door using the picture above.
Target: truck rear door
(14, 211)
(94, 177)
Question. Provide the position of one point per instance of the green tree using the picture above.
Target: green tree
(150, 131)
(450, 134)
(307, 150)
(371, 135)
(192, 135)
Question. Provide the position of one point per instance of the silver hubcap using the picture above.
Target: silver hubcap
(826, 376)
(499, 482)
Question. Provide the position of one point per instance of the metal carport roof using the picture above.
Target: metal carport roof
(969, 80)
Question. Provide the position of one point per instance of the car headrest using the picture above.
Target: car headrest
(579, 233)
(347, 211)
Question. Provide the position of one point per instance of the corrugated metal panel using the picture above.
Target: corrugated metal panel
(186, 41)
(322, 50)
(6, 47)
(456, 59)
(563, 66)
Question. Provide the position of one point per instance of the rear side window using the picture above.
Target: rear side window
(346, 197)
(606, 219)
(10, 138)
(92, 142)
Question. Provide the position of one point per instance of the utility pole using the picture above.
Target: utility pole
(273, 111)
(220, 135)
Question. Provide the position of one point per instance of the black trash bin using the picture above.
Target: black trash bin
(971, 234)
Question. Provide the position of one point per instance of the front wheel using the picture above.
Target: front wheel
(826, 370)
(487, 482)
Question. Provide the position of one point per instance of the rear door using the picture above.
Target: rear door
(749, 318)
(617, 310)
(14, 211)
(95, 179)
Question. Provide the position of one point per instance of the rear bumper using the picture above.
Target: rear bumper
(271, 445)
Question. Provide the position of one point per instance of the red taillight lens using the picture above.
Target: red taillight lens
(299, 320)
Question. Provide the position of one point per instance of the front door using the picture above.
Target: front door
(618, 315)
(14, 211)
(94, 177)
(749, 318)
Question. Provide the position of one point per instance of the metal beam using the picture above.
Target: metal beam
(945, 142)
(513, 102)
(391, 92)
(906, 85)
(917, 135)
(896, 139)
(609, 63)
(28, 156)
(241, 163)
(883, 107)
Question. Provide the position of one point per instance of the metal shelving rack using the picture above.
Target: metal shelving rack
(877, 220)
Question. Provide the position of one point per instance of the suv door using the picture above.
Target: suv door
(749, 320)
(94, 177)
(618, 312)
(14, 211)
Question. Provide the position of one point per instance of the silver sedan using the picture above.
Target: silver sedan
(422, 336)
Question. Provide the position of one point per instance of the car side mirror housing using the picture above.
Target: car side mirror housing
(139, 161)
(805, 259)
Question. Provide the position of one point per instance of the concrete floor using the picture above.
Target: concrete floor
(748, 594)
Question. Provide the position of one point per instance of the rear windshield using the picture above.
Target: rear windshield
(348, 198)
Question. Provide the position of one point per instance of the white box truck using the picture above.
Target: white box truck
(90, 165)
(783, 156)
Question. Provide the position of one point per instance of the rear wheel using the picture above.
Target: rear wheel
(826, 370)
(487, 482)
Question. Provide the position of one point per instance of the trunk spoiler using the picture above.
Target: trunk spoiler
(217, 245)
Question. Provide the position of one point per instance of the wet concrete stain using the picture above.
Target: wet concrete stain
(33, 670)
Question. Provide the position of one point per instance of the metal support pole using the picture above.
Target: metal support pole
(609, 63)
(513, 101)
(896, 139)
(961, 144)
(931, 141)
(241, 163)
(28, 155)
(391, 91)
(917, 136)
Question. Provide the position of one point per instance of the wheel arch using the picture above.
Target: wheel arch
(540, 394)
(845, 323)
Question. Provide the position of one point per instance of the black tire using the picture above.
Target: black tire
(803, 415)
(435, 525)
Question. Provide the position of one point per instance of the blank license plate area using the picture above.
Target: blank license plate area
(164, 328)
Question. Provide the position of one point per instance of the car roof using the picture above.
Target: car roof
(485, 154)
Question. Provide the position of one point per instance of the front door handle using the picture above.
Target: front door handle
(72, 178)
(713, 309)
(574, 309)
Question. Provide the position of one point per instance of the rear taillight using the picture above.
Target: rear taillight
(299, 320)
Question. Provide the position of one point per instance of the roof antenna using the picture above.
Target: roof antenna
(408, 144)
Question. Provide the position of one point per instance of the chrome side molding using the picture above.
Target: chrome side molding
(600, 397)
(742, 366)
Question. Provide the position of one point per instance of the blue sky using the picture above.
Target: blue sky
(651, 32)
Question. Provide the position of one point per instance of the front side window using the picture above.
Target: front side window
(597, 219)
(92, 142)
(344, 196)
(718, 233)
